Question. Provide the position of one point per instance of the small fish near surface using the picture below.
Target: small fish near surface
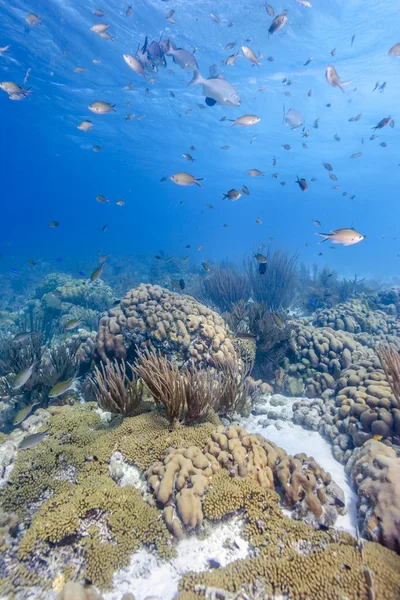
(255, 173)
(185, 179)
(61, 387)
(316, 223)
(384, 123)
(188, 157)
(333, 78)
(394, 50)
(232, 195)
(31, 440)
(85, 125)
(303, 185)
(134, 64)
(345, 236)
(181, 57)
(278, 23)
(245, 190)
(217, 90)
(251, 57)
(14, 91)
(101, 108)
(293, 118)
(245, 120)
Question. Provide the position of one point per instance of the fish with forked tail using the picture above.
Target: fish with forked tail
(217, 90)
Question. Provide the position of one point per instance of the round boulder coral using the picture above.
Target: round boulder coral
(185, 330)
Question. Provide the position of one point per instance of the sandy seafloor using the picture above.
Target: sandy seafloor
(149, 578)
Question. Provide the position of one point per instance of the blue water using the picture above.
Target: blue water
(49, 171)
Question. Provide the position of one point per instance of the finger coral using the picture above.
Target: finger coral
(181, 479)
(289, 559)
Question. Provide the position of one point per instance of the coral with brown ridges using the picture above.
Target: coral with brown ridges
(289, 558)
(178, 483)
(85, 343)
(185, 330)
(375, 471)
(182, 478)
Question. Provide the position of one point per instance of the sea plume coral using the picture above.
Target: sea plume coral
(164, 382)
(113, 389)
(223, 288)
(276, 286)
(188, 394)
(390, 362)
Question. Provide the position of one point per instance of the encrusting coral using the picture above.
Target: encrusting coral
(62, 490)
(187, 331)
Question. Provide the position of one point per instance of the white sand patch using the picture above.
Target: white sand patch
(147, 576)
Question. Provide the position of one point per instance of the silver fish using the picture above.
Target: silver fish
(293, 118)
(181, 57)
(333, 78)
(23, 376)
(216, 90)
(31, 440)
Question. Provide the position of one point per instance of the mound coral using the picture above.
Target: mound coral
(375, 472)
(185, 330)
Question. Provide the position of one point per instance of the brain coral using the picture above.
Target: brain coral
(185, 330)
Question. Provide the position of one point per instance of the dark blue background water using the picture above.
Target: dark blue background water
(49, 171)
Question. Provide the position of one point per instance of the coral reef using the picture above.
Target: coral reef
(185, 330)
(113, 389)
(72, 508)
(289, 558)
(180, 480)
(375, 472)
(317, 356)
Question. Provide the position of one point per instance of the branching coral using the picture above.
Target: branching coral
(225, 287)
(272, 341)
(276, 286)
(390, 362)
(164, 382)
(113, 389)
